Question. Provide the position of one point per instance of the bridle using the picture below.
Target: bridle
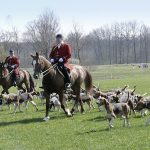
(2, 67)
(47, 70)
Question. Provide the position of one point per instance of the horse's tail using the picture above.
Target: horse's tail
(88, 82)
(32, 85)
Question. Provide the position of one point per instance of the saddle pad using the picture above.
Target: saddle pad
(69, 67)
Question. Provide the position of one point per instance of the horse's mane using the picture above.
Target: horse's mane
(44, 59)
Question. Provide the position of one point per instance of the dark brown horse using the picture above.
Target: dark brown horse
(53, 82)
(23, 78)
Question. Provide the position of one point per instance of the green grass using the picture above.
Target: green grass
(26, 130)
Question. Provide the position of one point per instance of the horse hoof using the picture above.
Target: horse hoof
(111, 126)
(69, 114)
(82, 112)
(46, 118)
(72, 111)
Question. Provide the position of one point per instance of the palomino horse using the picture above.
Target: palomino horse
(6, 79)
(53, 82)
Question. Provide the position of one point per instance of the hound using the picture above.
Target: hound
(85, 99)
(11, 99)
(26, 98)
(54, 102)
(142, 105)
(42, 97)
(114, 109)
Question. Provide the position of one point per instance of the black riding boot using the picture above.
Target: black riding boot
(66, 75)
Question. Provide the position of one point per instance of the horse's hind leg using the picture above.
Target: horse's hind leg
(21, 87)
(27, 84)
(63, 105)
(5, 90)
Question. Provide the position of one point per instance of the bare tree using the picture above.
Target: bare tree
(41, 32)
(134, 32)
(75, 39)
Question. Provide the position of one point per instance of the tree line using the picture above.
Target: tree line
(118, 43)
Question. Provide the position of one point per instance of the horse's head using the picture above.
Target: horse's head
(38, 65)
(3, 68)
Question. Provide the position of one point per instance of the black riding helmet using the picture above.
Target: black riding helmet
(59, 36)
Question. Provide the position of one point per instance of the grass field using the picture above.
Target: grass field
(27, 131)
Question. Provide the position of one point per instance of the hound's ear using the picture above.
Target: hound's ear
(37, 54)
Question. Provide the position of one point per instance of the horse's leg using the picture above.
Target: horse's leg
(5, 90)
(27, 84)
(47, 96)
(63, 105)
(21, 87)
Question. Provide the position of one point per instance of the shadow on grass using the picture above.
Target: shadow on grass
(99, 118)
(93, 131)
(138, 116)
(24, 121)
(31, 120)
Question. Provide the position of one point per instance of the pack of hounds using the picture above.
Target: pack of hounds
(122, 102)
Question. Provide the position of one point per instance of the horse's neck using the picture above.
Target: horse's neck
(48, 66)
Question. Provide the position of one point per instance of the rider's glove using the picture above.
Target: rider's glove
(5, 65)
(13, 66)
(52, 60)
(61, 60)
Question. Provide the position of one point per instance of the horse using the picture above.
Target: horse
(53, 82)
(23, 78)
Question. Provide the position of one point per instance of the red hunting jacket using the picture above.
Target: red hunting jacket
(63, 52)
(13, 61)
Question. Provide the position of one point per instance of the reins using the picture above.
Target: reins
(46, 71)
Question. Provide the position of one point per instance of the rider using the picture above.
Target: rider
(60, 54)
(13, 64)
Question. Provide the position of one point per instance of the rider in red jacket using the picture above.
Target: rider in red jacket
(60, 54)
(13, 64)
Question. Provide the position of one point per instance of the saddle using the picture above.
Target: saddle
(65, 74)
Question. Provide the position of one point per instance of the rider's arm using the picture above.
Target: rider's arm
(17, 62)
(68, 52)
(6, 60)
(51, 55)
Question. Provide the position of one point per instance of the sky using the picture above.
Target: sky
(88, 14)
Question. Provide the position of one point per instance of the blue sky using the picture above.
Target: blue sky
(89, 14)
